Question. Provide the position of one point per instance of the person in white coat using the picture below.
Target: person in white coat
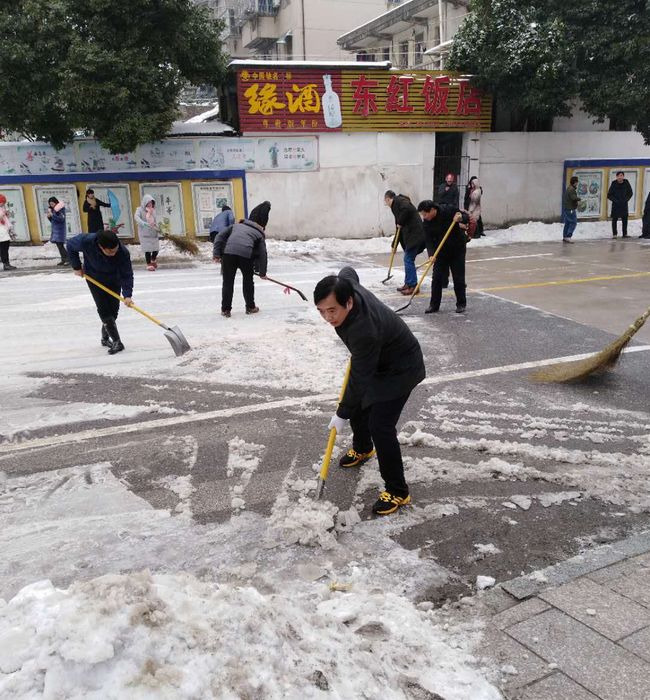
(148, 230)
(474, 206)
(6, 235)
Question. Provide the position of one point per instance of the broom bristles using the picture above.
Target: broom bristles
(600, 362)
(184, 245)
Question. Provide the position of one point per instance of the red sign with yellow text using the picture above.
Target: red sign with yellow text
(316, 99)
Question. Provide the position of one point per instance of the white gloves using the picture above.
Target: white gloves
(337, 423)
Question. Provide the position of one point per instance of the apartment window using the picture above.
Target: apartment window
(385, 54)
(289, 46)
(365, 57)
(420, 48)
(403, 55)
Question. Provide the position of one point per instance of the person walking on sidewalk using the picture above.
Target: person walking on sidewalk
(645, 223)
(56, 215)
(437, 218)
(570, 210)
(619, 194)
(411, 236)
(242, 247)
(106, 260)
(386, 365)
(92, 207)
(6, 235)
(221, 221)
(148, 230)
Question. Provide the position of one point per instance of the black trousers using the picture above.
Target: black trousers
(454, 261)
(62, 252)
(229, 266)
(150, 257)
(107, 306)
(377, 424)
(623, 219)
(4, 252)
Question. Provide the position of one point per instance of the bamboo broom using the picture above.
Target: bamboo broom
(600, 362)
(182, 244)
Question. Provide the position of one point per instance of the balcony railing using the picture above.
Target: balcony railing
(263, 8)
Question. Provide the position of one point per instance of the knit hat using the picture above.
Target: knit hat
(108, 239)
(260, 214)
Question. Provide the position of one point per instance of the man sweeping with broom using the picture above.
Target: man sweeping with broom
(108, 261)
(386, 365)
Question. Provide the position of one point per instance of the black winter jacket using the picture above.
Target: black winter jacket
(619, 194)
(95, 218)
(114, 271)
(448, 194)
(435, 230)
(407, 217)
(386, 360)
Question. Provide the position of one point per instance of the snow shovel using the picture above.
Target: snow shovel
(429, 265)
(286, 286)
(322, 477)
(393, 246)
(174, 335)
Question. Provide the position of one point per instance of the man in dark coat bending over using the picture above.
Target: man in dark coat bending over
(411, 236)
(387, 365)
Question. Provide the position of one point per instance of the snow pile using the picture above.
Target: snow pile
(172, 636)
(307, 522)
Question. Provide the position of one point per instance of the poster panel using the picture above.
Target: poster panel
(284, 154)
(227, 154)
(120, 211)
(92, 158)
(590, 191)
(208, 198)
(632, 176)
(64, 193)
(16, 211)
(169, 205)
(43, 159)
(173, 154)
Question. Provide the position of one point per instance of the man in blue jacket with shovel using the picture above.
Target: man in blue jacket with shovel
(106, 260)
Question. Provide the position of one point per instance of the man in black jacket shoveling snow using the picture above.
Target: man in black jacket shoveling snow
(386, 365)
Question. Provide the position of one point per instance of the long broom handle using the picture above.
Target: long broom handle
(283, 284)
(121, 298)
(332, 438)
(433, 258)
(393, 248)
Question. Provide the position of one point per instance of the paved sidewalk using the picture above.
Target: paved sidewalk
(579, 630)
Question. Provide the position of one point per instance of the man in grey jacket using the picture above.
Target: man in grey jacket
(386, 365)
(242, 247)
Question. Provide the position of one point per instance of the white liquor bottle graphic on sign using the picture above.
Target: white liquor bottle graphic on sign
(331, 105)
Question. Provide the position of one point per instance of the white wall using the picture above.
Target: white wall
(344, 198)
(521, 173)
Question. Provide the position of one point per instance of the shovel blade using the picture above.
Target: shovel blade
(387, 278)
(177, 340)
(320, 485)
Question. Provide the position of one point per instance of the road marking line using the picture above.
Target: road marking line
(81, 436)
(511, 257)
(558, 283)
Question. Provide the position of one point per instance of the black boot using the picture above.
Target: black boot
(106, 341)
(116, 345)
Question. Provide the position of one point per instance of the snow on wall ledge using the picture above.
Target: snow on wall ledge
(345, 198)
(521, 173)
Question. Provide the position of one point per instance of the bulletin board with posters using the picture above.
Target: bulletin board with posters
(632, 176)
(16, 212)
(590, 191)
(120, 212)
(64, 193)
(169, 205)
(208, 198)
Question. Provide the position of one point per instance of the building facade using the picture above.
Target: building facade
(290, 29)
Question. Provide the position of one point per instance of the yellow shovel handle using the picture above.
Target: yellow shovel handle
(432, 259)
(121, 298)
(332, 438)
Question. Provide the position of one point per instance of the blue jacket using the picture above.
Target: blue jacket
(59, 232)
(113, 271)
(222, 220)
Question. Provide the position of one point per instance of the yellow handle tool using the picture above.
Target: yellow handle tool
(393, 246)
(322, 477)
